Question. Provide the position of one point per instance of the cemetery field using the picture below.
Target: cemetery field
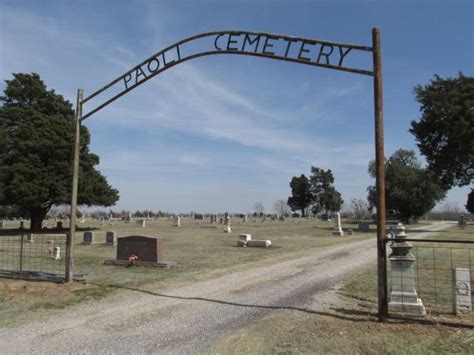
(201, 251)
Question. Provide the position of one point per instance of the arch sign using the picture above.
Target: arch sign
(314, 52)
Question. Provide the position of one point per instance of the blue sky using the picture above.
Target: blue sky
(222, 132)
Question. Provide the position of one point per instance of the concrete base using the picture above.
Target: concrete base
(259, 243)
(416, 308)
(165, 264)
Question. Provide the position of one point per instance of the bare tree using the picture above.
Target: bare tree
(281, 208)
(359, 209)
(259, 208)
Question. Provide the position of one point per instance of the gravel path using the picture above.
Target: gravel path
(190, 319)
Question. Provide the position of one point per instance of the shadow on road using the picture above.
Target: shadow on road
(340, 316)
(345, 314)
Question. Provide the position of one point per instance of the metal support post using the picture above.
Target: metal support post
(75, 180)
(380, 178)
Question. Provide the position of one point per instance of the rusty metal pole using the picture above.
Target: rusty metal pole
(75, 180)
(380, 178)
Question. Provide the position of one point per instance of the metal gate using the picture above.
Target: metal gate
(29, 256)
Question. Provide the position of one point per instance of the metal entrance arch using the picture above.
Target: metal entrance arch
(320, 53)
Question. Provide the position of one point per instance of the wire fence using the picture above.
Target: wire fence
(434, 279)
(33, 256)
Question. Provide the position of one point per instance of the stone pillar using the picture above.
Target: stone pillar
(177, 221)
(403, 297)
(245, 219)
(462, 303)
(337, 225)
(227, 228)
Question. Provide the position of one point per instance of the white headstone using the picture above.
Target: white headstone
(141, 223)
(259, 243)
(245, 219)
(337, 225)
(177, 221)
(56, 253)
(462, 302)
(227, 228)
(245, 237)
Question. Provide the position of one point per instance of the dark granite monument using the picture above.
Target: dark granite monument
(148, 251)
(146, 248)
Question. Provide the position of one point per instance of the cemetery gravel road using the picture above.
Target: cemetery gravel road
(191, 319)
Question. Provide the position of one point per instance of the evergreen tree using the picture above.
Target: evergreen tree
(410, 190)
(301, 196)
(325, 195)
(445, 131)
(36, 150)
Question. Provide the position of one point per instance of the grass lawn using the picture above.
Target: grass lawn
(200, 250)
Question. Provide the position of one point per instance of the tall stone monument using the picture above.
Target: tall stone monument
(403, 297)
(337, 225)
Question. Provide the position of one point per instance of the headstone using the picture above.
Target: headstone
(146, 248)
(50, 247)
(462, 302)
(259, 243)
(140, 223)
(111, 237)
(198, 216)
(227, 228)
(245, 237)
(82, 220)
(29, 238)
(245, 219)
(2, 224)
(221, 220)
(337, 225)
(363, 227)
(88, 238)
(59, 225)
(212, 219)
(403, 296)
(56, 253)
(350, 231)
(177, 221)
(22, 225)
(462, 221)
